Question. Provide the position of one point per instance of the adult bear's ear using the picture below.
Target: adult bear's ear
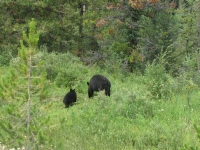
(88, 83)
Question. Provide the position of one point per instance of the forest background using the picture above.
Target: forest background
(149, 49)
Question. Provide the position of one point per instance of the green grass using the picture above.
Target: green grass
(131, 118)
(126, 120)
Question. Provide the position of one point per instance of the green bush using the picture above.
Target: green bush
(190, 68)
(65, 69)
(7, 53)
(116, 63)
(159, 83)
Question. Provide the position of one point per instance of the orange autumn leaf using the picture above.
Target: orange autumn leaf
(100, 23)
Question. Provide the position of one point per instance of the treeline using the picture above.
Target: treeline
(111, 33)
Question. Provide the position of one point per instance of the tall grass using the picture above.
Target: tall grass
(124, 122)
(133, 117)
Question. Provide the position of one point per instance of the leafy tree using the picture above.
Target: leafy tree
(107, 32)
(57, 21)
(129, 31)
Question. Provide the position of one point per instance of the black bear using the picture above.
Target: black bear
(69, 98)
(98, 83)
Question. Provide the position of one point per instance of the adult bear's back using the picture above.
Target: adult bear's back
(98, 83)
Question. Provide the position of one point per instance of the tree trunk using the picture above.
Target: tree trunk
(29, 65)
(82, 7)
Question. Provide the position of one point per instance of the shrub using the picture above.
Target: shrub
(65, 69)
(7, 53)
(190, 68)
(158, 82)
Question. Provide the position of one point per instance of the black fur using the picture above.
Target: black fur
(70, 98)
(98, 83)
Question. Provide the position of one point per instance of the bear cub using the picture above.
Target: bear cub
(70, 98)
(98, 83)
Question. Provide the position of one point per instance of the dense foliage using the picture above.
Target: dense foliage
(149, 50)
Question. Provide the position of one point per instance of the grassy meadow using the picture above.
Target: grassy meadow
(152, 111)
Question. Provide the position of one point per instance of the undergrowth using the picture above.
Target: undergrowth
(143, 112)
